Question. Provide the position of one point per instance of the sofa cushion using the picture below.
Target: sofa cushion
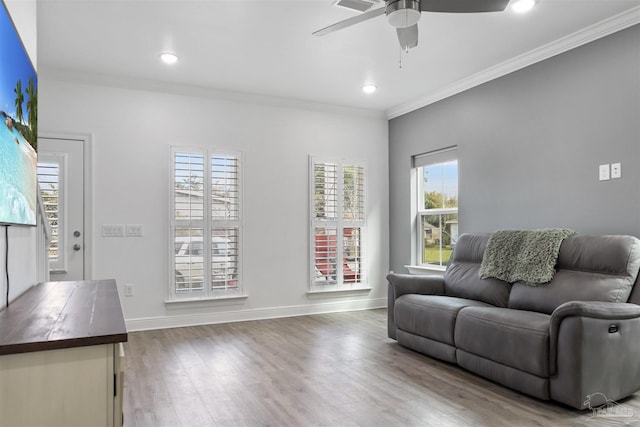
(430, 316)
(506, 375)
(590, 268)
(462, 278)
(515, 338)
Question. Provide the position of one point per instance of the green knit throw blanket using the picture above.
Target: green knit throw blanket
(527, 256)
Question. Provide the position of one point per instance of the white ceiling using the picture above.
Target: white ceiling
(265, 47)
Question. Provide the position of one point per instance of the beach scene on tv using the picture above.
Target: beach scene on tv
(18, 128)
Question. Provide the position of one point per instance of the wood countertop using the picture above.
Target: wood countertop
(56, 315)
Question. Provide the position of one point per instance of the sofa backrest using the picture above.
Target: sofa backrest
(462, 278)
(589, 268)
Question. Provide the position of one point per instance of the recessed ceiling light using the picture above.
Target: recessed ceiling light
(369, 88)
(169, 58)
(522, 6)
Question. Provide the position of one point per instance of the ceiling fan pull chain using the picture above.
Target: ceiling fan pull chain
(400, 57)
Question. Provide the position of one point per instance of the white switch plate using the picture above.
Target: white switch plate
(135, 230)
(128, 290)
(112, 230)
(604, 172)
(616, 170)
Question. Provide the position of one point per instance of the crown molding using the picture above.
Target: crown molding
(586, 35)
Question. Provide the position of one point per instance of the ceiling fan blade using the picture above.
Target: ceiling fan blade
(408, 37)
(463, 6)
(351, 21)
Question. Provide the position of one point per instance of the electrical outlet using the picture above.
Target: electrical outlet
(128, 290)
(616, 170)
(604, 172)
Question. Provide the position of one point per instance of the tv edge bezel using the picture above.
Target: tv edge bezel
(26, 52)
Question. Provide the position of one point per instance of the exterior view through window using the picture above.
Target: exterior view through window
(437, 211)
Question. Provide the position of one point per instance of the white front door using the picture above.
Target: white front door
(61, 179)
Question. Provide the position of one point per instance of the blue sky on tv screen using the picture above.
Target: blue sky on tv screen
(14, 65)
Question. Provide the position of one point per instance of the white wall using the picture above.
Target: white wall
(22, 240)
(131, 134)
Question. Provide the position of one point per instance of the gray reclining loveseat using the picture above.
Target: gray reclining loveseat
(566, 340)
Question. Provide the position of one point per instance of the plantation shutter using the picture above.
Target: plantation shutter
(225, 224)
(338, 219)
(51, 184)
(206, 223)
(353, 217)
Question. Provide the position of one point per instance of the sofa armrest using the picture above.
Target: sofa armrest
(594, 348)
(402, 284)
(595, 310)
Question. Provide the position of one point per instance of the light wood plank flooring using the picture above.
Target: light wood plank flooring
(322, 370)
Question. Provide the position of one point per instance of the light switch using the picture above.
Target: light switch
(616, 170)
(135, 230)
(112, 230)
(604, 172)
(129, 290)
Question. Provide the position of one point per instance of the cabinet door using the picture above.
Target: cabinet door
(66, 388)
(118, 369)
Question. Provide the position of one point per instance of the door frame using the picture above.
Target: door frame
(87, 185)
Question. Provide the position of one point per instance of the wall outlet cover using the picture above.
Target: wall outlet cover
(604, 172)
(616, 170)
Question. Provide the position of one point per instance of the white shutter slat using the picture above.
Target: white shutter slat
(189, 186)
(325, 255)
(51, 191)
(325, 177)
(225, 188)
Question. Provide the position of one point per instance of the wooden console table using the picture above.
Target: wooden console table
(61, 356)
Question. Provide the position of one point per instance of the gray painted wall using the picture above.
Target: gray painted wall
(529, 146)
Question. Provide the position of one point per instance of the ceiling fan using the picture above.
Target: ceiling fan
(404, 15)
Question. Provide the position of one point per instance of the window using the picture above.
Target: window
(437, 216)
(337, 224)
(50, 181)
(205, 224)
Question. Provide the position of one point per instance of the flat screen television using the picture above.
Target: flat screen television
(18, 127)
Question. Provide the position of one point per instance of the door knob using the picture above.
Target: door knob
(76, 247)
(76, 233)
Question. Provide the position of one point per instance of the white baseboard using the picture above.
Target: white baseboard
(177, 321)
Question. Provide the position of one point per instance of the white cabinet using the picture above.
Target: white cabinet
(61, 356)
(79, 386)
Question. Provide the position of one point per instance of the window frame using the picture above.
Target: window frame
(340, 224)
(438, 157)
(207, 224)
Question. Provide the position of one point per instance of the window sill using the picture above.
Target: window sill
(222, 299)
(423, 269)
(342, 292)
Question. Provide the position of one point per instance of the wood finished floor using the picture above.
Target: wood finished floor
(322, 370)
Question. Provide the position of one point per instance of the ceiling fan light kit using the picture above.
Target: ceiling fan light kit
(403, 13)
